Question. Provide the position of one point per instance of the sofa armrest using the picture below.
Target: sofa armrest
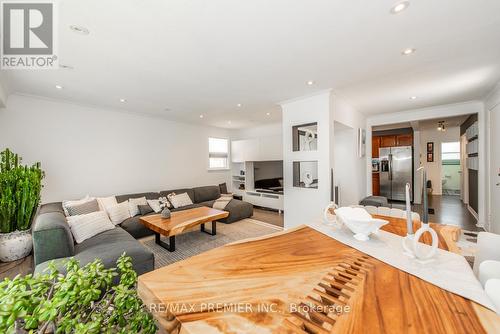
(52, 238)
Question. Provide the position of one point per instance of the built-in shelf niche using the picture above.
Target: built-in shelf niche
(305, 174)
(305, 137)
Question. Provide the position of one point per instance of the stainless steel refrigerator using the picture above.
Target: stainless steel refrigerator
(396, 169)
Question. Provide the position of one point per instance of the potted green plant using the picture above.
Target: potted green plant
(89, 299)
(20, 188)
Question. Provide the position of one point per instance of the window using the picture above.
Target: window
(218, 155)
(450, 153)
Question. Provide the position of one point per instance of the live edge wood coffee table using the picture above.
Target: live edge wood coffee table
(180, 221)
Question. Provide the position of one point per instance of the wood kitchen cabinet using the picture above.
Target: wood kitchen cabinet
(376, 184)
(387, 141)
(404, 140)
(375, 146)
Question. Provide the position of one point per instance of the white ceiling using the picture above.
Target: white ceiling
(425, 124)
(204, 57)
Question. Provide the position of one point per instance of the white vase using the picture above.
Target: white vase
(15, 245)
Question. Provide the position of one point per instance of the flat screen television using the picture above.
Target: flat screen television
(268, 176)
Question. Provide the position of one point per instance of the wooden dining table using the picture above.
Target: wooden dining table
(302, 281)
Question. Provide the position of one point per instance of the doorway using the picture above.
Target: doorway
(451, 169)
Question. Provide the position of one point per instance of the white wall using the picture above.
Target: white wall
(452, 134)
(86, 150)
(304, 205)
(492, 107)
(265, 130)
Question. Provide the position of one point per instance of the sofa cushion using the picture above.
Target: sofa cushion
(207, 193)
(135, 228)
(150, 195)
(50, 207)
(109, 246)
(190, 192)
(237, 210)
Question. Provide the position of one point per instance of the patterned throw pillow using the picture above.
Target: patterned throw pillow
(86, 226)
(156, 204)
(118, 213)
(133, 205)
(65, 204)
(168, 202)
(180, 200)
(82, 209)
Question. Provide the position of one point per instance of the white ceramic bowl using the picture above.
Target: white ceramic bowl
(360, 222)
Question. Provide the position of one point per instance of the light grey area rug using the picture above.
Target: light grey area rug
(194, 242)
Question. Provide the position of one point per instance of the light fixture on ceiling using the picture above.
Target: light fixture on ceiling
(239, 105)
(399, 7)
(310, 83)
(59, 87)
(167, 109)
(441, 126)
(123, 100)
(201, 116)
(408, 51)
(79, 30)
(268, 113)
(228, 122)
(66, 67)
(413, 97)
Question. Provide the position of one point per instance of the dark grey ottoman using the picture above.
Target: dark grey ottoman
(374, 201)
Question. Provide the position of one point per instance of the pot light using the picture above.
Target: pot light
(123, 100)
(79, 29)
(268, 114)
(201, 116)
(310, 83)
(407, 52)
(239, 105)
(413, 97)
(59, 87)
(228, 122)
(399, 7)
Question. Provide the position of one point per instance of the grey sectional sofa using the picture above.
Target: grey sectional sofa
(52, 238)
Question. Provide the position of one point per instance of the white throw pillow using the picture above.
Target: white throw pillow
(133, 205)
(119, 212)
(105, 202)
(65, 204)
(155, 205)
(180, 200)
(86, 226)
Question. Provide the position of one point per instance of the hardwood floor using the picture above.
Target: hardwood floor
(448, 210)
(268, 216)
(19, 267)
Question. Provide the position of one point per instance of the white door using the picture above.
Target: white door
(495, 169)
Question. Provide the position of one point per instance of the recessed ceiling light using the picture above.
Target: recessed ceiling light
(123, 100)
(201, 116)
(399, 7)
(59, 87)
(413, 97)
(66, 67)
(79, 29)
(407, 52)
(310, 83)
(239, 105)
(268, 114)
(228, 122)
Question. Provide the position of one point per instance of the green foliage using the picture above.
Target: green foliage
(20, 188)
(82, 301)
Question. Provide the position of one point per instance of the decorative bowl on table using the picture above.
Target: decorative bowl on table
(359, 221)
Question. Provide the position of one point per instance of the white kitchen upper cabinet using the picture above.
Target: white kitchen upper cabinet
(271, 148)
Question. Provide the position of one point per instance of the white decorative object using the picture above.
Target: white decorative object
(308, 139)
(361, 142)
(133, 205)
(489, 269)
(329, 218)
(359, 222)
(411, 245)
(15, 245)
(308, 179)
(119, 212)
(86, 226)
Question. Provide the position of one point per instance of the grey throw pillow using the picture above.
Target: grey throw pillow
(83, 209)
(145, 209)
(223, 188)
